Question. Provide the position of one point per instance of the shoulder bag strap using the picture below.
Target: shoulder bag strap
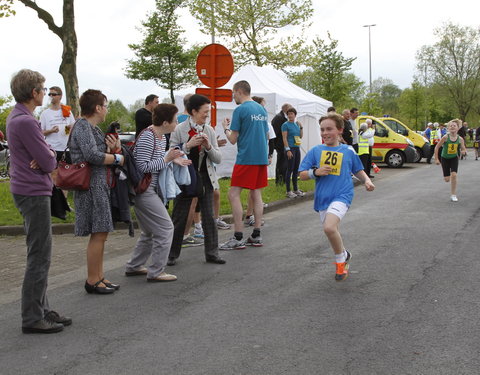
(154, 141)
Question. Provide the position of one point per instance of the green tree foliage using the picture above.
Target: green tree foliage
(370, 104)
(118, 112)
(421, 104)
(440, 106)
(248, 28)
(6, 106)
(327, 73)
(357, 90)
(388, 95)
(453, 63)
(133, 108)
(411, 105)
(161, 56)
(6, 9)
(66, 32)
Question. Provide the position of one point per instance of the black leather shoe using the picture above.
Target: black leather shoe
(216, 260)
(98, 289)
(54, 317)
(171, 262)
(111, 285)
(43, 326)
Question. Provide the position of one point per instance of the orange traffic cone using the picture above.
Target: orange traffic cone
(375, 168)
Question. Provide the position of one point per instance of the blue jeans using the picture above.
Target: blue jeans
(38, 229)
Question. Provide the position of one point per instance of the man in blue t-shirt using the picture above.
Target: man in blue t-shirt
(249, 130)
(331, 165)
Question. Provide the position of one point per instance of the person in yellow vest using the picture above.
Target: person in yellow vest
(432, 134)
(365, 133)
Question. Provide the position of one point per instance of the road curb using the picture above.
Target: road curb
(68, 228)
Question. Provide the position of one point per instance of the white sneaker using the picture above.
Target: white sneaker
(291, 194)
(198, 232)
(299, 193)
(454, 198)
(222, 224)
(250, 222)
(232, 244)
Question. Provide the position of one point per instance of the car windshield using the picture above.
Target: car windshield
(397, 127)
(380, 130)
(127, 138)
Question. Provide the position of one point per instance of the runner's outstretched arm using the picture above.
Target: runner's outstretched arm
(362, 176)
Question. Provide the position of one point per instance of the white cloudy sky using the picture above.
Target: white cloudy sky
(106, 27)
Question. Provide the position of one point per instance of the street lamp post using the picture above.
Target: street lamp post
(370, 53)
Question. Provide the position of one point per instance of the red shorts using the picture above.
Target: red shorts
(249, 176)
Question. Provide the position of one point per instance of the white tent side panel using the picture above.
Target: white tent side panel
(277, 90)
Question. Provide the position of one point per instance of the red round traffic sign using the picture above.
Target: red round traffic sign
(214, 65)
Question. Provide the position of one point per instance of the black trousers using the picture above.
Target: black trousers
(364, 159)
(292, 168)
(181, 207)
(369, 162)
(280, 167)
(432, 153)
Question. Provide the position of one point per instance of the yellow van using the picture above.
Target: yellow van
(390, 147)
(421, 143)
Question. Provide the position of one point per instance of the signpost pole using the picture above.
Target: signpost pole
(213, 110)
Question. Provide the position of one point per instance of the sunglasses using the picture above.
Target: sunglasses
(52, 94)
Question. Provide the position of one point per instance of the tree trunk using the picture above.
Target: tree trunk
(68, 67)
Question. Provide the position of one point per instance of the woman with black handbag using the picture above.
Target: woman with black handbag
(199, 142)
(92, 207)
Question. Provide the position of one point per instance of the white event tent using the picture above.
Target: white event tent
(274, 86)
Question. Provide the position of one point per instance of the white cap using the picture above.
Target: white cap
(429, 124)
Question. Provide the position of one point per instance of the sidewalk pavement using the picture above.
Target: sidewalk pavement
(69, 256)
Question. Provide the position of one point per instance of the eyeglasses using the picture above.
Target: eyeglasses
(52, 94)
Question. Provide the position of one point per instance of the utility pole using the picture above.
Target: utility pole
(425, 97)
(370, 53)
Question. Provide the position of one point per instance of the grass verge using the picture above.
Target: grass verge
(9, 214)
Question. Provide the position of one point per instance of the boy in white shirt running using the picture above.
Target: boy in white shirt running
(331, 165)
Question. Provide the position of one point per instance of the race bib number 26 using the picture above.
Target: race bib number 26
(332, 159)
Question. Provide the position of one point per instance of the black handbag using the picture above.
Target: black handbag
(58, 204)
(195, 188)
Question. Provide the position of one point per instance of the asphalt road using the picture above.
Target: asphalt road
(409, 306)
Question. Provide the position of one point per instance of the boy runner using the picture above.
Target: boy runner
(449, 160)
(331, 165)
